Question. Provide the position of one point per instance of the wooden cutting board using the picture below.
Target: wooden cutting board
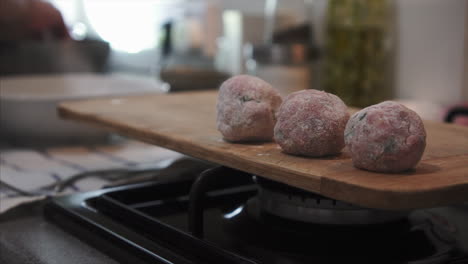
(185, 122)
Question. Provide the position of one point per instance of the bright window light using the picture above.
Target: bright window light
(127, 25)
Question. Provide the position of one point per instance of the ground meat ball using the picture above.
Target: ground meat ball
(246, 109)
(311, 123)
(386, 137)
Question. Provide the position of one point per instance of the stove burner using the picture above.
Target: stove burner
(299, 205)
(155, 222)
(279, 240)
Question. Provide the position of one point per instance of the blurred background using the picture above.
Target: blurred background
(366, 51)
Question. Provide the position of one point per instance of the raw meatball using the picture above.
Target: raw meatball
(311, 123)
(386, 137)
(246, 109)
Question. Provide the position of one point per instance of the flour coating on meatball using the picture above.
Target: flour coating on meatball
(386, 137)
(311, 123)
(246, 109)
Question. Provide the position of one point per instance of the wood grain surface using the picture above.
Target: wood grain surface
(185, 122)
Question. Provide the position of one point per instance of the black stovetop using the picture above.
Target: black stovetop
(149, 223)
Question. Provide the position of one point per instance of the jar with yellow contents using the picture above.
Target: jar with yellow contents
(358, 55)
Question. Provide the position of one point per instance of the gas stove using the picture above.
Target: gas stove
(229, 216)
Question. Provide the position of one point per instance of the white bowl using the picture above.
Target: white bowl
(28, 112)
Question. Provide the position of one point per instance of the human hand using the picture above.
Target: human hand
(44, 20)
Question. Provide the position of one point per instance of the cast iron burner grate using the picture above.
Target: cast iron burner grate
(219, 219)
